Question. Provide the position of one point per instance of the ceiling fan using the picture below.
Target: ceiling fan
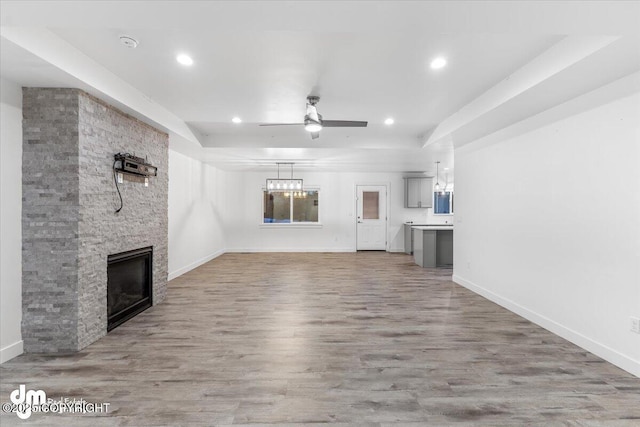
(313, 122)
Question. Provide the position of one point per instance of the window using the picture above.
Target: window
(293, 207)
(370, 205)
(443, 202)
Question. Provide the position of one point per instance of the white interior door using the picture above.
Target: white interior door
(371, 227)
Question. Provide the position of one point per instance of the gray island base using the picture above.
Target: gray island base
(433, 246)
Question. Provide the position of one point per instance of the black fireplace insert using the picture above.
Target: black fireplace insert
(129, 279)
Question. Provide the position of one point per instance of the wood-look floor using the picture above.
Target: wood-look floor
(351, 339)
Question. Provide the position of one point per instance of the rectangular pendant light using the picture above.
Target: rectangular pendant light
(284, 184)
(276, 184)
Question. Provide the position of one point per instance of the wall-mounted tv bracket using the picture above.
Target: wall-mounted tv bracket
(132, 165)
(135, 165)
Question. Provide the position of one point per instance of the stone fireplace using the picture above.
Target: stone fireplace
(69, 223)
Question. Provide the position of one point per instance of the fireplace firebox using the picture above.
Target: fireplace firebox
(129, 280)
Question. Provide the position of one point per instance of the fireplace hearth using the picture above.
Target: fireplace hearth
(129, 280)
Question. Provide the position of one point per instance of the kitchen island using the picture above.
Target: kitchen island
(433, 245)
(408, 234)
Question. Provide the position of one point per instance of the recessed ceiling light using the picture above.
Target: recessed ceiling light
(438, 62)
(389, 121)
(236, 120)
(446, 169)
(129, 41)
(184, 59)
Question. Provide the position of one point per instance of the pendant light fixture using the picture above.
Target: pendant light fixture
(437, 186)
(281, 185)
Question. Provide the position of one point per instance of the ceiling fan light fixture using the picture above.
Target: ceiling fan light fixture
(311, 125)
(314, 123)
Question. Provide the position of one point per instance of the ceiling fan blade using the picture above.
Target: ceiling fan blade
(315, 135)
(344, 124)
(280, 124)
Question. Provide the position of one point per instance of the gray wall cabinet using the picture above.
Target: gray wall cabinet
(418, 192)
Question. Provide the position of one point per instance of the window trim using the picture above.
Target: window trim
(292, 224)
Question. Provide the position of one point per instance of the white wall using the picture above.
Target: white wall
(10, 220)
(336, 208)
(556, 236)
(196, 219)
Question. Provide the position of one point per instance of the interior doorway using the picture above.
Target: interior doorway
(371, 217)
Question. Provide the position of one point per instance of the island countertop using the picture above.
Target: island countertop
(432, 227)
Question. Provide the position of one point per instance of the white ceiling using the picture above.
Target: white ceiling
(366, 60)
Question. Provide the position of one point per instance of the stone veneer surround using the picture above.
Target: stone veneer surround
(69, 224)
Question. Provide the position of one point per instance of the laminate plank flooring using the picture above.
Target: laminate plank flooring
(364, 338)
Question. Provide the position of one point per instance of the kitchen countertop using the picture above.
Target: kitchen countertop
(416, 224)
(433, 227)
